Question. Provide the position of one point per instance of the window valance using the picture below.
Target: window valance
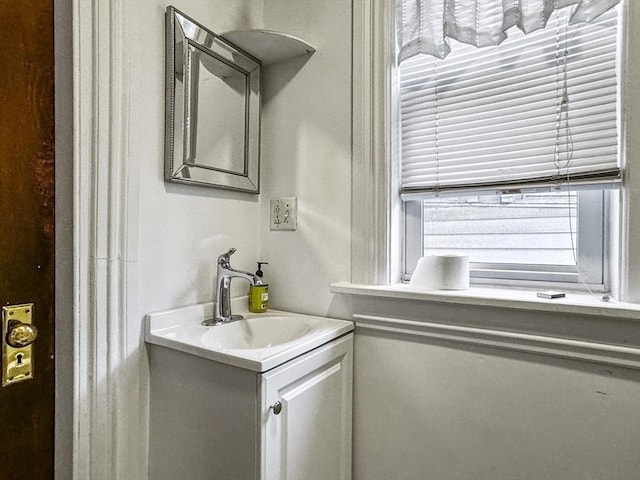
(424, 26)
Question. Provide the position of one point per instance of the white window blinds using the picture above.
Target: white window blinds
(540, 109)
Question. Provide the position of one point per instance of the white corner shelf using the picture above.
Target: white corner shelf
(267, 46)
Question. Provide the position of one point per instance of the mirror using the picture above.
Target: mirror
(212, 109)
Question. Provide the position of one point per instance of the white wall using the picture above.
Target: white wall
(182, 229)
(457, 412)
(306, 152)
(306, 140)
(457, 392)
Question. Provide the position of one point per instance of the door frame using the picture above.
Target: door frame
(101, 432)
(64, 305)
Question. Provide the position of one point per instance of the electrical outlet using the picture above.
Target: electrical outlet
(284, 213)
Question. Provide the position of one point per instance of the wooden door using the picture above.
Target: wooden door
(27, 228)
(307, 434)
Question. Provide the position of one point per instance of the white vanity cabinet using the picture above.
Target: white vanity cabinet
(306, 416)
(210, 420)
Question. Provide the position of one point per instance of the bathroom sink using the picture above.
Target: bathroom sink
(257, 332)
(259, 342)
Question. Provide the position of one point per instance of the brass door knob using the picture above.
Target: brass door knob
(20, 334)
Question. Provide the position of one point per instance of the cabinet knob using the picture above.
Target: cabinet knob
(276, 407)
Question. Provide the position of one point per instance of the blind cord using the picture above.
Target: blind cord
(569, 147)
(436, 91)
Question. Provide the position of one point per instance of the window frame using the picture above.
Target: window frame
(593, 226)
(377, 214)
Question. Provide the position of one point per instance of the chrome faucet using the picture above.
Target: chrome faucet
(222, 310)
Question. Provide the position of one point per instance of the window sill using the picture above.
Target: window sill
(574, 303)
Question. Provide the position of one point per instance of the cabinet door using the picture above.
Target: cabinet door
(307, 435)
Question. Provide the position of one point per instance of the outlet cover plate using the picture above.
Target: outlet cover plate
(284, 214)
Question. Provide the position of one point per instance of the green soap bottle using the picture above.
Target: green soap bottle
(259, 294)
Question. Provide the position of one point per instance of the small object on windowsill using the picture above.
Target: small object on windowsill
(441, 272)
(551, 294)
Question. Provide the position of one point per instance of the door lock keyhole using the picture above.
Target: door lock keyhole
(16, 339)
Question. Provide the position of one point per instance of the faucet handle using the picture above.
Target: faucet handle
(224, 258)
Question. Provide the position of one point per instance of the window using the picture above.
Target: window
(508, 153)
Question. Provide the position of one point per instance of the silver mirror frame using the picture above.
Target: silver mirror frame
(183, 36)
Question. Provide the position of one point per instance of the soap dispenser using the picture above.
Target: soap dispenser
(259, 294)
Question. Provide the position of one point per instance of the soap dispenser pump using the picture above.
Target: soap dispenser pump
(259, 294)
